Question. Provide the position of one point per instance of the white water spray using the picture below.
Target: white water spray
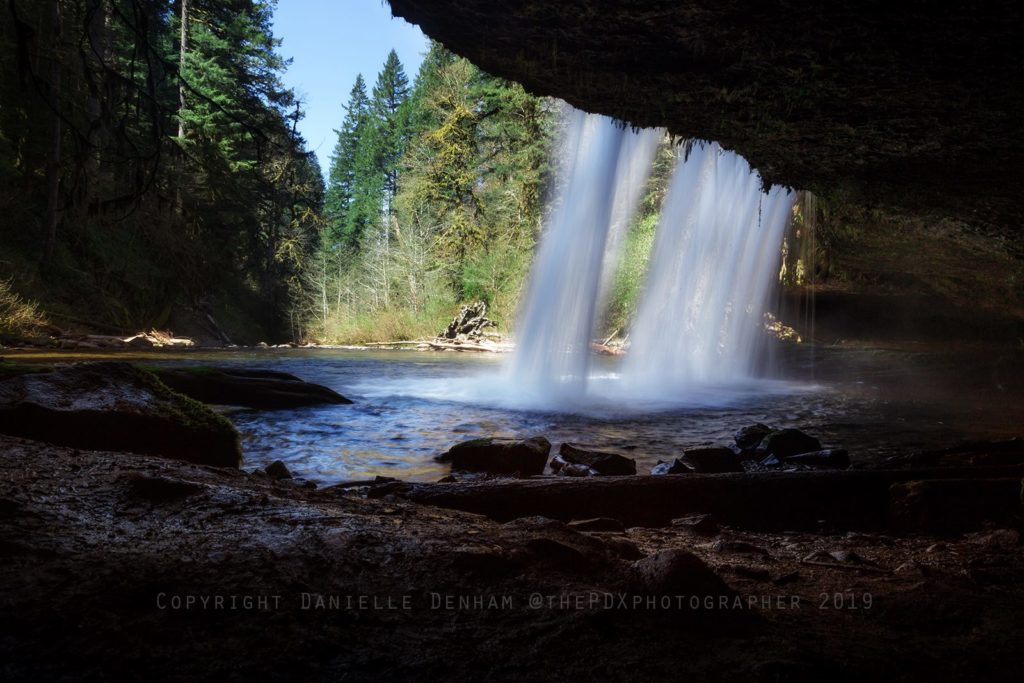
(714, 263)
(604, 171)
(700, 320)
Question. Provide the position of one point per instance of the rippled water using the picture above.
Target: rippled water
(411, 406)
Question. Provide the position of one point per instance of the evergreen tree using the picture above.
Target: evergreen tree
(389, 95)
(342, 180)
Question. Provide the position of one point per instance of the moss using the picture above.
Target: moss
(189, 412)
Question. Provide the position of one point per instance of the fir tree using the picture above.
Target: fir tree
(342, 180)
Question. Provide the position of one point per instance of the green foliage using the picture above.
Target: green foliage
(141, 220)
(629, 278)
(449, 175)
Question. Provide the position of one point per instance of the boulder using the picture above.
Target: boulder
(676, 572)
(248, 388)
(750, 437)
(560, 465)
(524, 457)
(602, 462)
(115, 406)
(784, 443)
(712, 460)
(674, 467)
(278, 470)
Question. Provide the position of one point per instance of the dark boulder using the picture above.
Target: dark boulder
(248, 388)
(524, 457)
(602, 462)
(676, 572)
(784, 443)
(115, 406)
(278, 470)
(674, 467)
(750, 437)
(712, 460)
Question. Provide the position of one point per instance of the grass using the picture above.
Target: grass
(19, 318)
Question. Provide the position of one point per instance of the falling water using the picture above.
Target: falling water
(605, 169)
(713, 265)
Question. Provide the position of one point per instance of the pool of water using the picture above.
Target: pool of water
(410, 406)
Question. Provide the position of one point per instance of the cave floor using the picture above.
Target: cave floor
(118, 565)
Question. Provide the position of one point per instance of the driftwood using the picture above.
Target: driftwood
(469, 323)
(460, 347)
(605, 350)
(774, 501)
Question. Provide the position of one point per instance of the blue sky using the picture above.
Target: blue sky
(329, 42)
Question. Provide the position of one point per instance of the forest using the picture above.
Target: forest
(152, 177)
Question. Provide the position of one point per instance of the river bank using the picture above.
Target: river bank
(145, 566)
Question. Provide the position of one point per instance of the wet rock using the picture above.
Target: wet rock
(278, 470)
(603, 462)
(597, 524)
(784, 443)
(703, 525)
(248, 388)
(676, 572)
(749, 438)
(524, 457)
(384, 486)
(674, 467)
(833, 458)
(571, 469)
(712, 460)
(117, 407)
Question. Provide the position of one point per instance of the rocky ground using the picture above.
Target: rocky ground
(120, 565)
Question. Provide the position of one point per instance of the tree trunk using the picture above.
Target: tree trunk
(186, 11)
(53, 162)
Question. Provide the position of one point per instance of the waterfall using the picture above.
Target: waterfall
(713, 266)
(604, 168)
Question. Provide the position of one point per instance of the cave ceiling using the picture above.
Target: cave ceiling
(911, 105)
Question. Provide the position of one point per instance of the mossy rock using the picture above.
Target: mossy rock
(115, 406)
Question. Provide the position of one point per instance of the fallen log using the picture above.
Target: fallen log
(462, 347)
(771, 501)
